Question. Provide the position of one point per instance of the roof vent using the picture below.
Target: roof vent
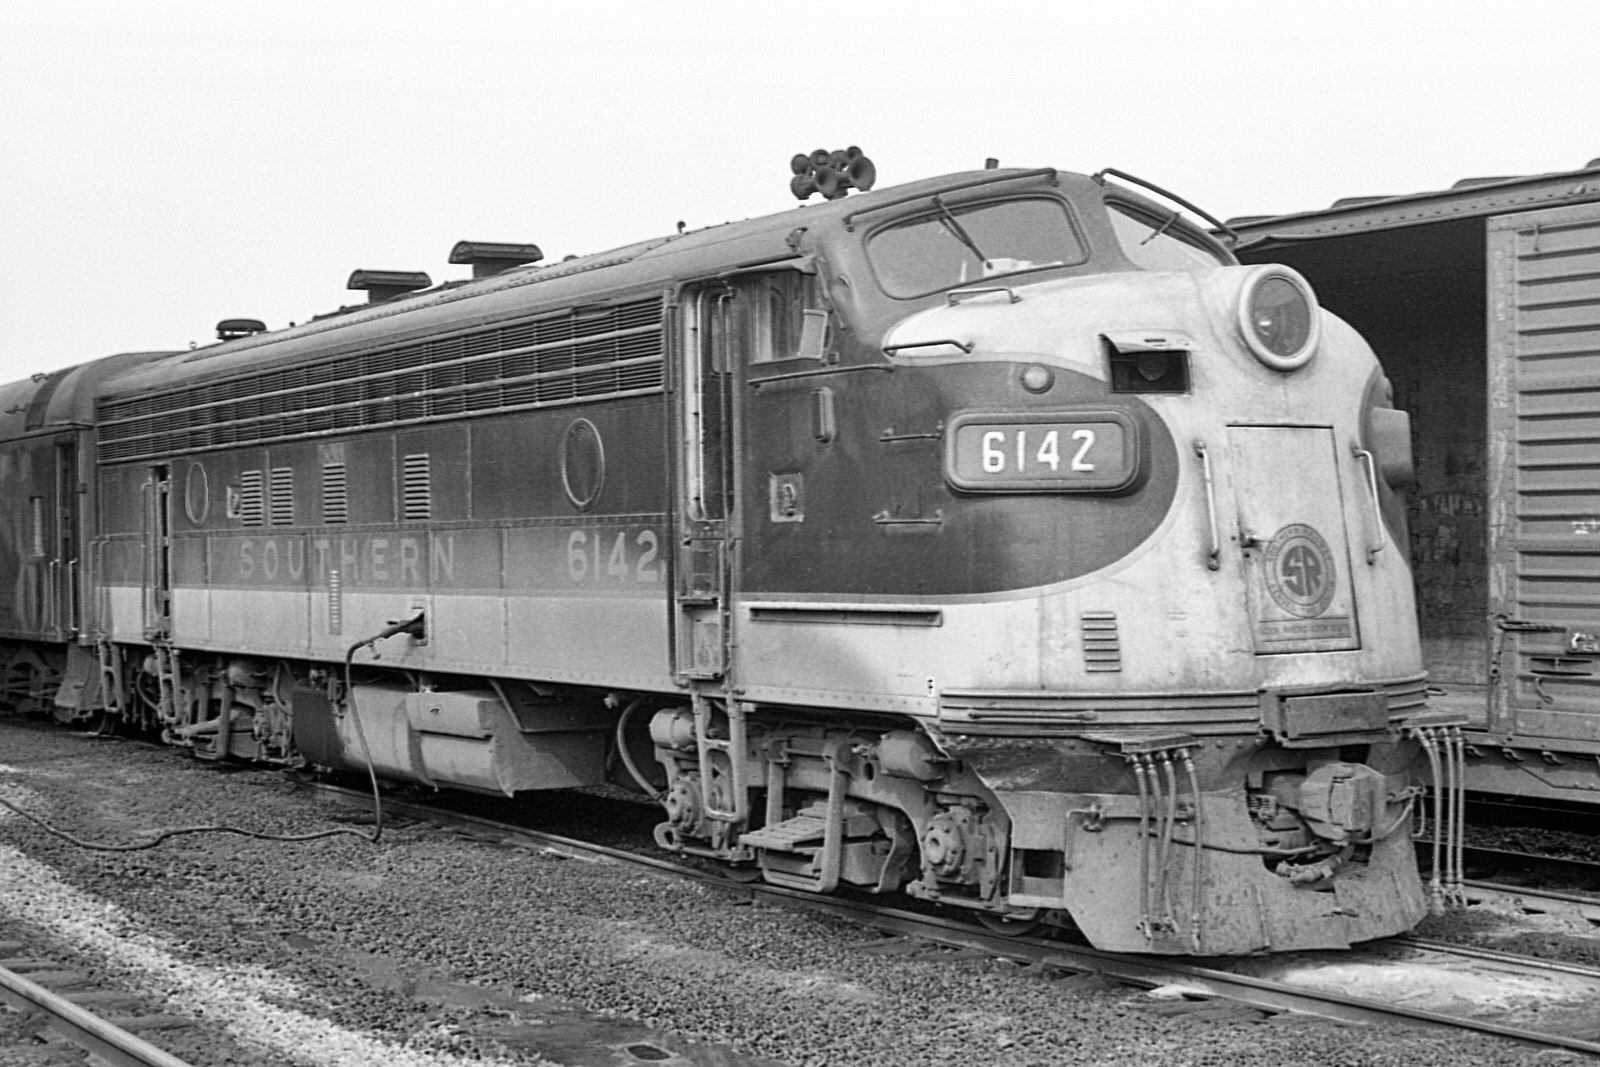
(233, 329)
(381, 285)
(489, 258)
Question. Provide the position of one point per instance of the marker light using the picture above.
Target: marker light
(1038, 379)
(1279, 319)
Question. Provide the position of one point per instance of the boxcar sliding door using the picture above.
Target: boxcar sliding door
(1544, 478)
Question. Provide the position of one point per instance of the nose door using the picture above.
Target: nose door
(1296, 547)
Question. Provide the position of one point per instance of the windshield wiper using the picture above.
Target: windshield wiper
(1163, 229)
(955, 227)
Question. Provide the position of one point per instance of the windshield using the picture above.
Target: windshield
(961, 245)
(1160, 242)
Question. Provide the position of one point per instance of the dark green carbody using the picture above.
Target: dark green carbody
(881, 518)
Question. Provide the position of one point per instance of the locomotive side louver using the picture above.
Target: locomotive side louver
(1102, 645)
(417, 492)
(250, 511)
(561, 358)
(280, 496)
(335, 493)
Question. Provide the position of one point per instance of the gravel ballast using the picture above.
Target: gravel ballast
(433, 948)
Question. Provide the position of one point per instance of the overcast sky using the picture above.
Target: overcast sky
(166, 165)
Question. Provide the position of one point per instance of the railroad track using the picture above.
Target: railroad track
(69, 1014)
(1215, 987)
(1569, 872)
(1531, 901)
(1525, 881)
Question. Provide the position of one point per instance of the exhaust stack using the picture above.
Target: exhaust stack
(381, 285)
(488, 258)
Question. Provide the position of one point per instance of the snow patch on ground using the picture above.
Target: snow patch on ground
(241, 998)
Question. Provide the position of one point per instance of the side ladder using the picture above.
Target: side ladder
(734, 747)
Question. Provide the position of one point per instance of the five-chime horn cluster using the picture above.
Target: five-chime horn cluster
(831, 173)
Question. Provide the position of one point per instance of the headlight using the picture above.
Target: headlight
(1278, 317)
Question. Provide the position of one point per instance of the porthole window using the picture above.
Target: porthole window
(583, 463)
(197, 494)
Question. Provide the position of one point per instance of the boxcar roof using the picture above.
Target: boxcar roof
(1467, 198)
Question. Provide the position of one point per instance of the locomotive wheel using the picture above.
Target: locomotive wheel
(1020, 925)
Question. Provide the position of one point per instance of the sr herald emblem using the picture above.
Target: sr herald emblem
(1300, 571)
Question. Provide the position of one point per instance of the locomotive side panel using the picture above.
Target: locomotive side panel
(298, 549)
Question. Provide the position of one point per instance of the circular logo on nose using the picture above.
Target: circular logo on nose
(1299, 571)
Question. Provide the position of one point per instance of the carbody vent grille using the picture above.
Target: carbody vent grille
(280, 492)
(582, 354)
(1102, 645)
(335, 493)
(248, 507)
(417, 500)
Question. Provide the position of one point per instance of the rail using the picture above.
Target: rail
(1207, 978)
(113, 1045)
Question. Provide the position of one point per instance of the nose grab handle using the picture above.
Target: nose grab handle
(1371, 466)
(1214, 556)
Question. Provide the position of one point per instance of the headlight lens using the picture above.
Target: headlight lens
(1279, 319)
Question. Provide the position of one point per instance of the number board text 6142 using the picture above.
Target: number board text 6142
(1041, 452)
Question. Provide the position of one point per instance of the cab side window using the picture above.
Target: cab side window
(787, 320)
(1162, 242)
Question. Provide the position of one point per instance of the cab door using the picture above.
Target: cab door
(157, 571)
(65, 566)
(703, 436)
(1544, 477)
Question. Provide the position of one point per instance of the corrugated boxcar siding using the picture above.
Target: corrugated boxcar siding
(1544, 425)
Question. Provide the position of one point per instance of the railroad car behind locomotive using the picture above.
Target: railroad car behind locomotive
(46, 520)
(1481, 301)
(995, 538)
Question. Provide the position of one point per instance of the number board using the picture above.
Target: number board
(1041, 452)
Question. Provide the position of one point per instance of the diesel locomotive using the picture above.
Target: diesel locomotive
(997, 539)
